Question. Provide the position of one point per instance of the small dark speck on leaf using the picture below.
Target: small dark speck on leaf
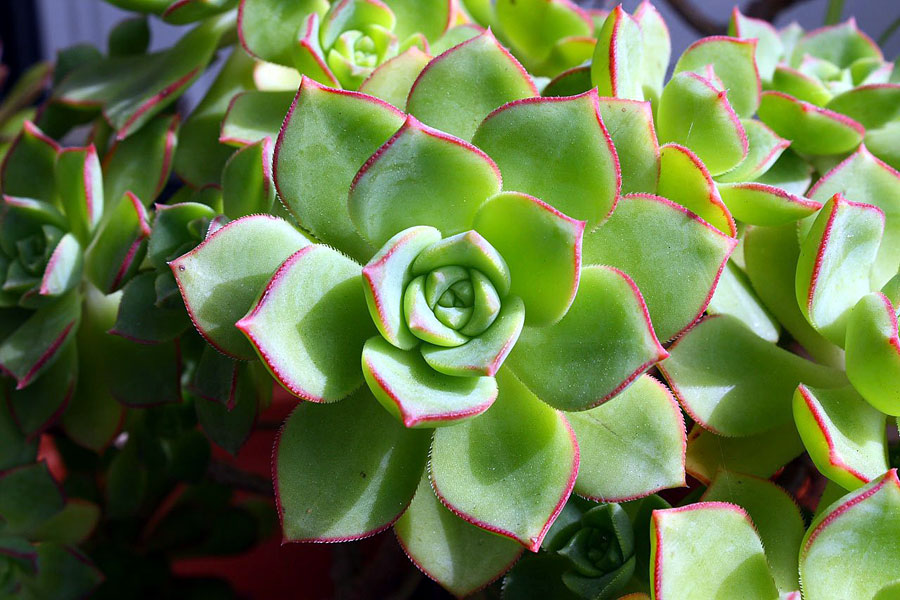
(181, 267)
(362, 474)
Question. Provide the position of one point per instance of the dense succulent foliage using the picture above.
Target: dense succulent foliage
(518, 282)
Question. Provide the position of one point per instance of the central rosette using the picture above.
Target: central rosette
(445, 312)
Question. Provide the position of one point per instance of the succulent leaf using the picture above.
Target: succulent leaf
(630, 126)
(602, 345)
(873, 352)
(769, 48)
(346, 471)
(28, 496)
(811, 129)
(761, 204)
(556, 149)
(38, 406)
(656, 48)
(683, 178)
(522, 449)
(268, 28)
(840, 45)
(247, 186)
(617, 66)
(734, 62)
(140, 319)
(872, 106)
(631, 446)
(220, 279)
(327, 323)
(735, 296)
(254, 115)
(141, 163)
(392, 80)
(28, 169)
(81, 189)
(119, 245)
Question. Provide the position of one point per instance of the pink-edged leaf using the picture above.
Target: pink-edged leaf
(693, 112)
(761, 455)
(657, 48)
(182, 12)
(222, 277)
(393, 79)
(81, 189)
(707, 549)
(308, 56)
(683, 178)
(141, 164)
(509, 471)
(268, 28)
(38, 406)
(570, 82)
(840, 45)
(769, 47)
(764, 150)
(431, 18)
(850, 549)
(557, 149)
(843, 434)
(632, 240)
(861, 177)
(254, 115)
(119, 245)
(602, 345)
(873, 351)
(800, 85)
(386, 276)
(459, 556)
(416, 394)
(38, 342)
(734, 62)
(447, 94)
(734, 383)
(833, 271)
(617, 57)
(761, 204)
(811, 129)
(543, 252)
(345, 471)
(735, 296)
(421, 176)
(631, 446)
(630, 126)
(533, 28)
(327, 136)
(871, 106)
(247, 186)
(28, 168)
(309, 319)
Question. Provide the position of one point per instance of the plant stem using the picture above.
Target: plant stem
(882, 40)
(834, 11)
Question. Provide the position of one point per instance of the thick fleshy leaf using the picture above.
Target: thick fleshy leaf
(28, 496)
(483, 354)
(247, 186)
(157, 367)
(811, 129)
(461, 557)
(28, 169)
(694, 113)
(176, 226)
(393, 79)
(532, 27)
(761, 455)
(631, 446)
(881, 143)
(253, 116)
(761, 204)
(511, 470)
(39, 405)
(769, 47)
(387, 275)
(119, 245)
(843, 434)
(141, 163)
(38, 341)
(15, 449)
(308, 55)
(228, 424)
(764, 149)
(630, 126)
(800, 85)
(734, 62)
(221, 278)
(310, 324)
(683, 178)
(871, 106)
(674, 257)
(182, 12)
(873, 352)
(790, 173)
(62, 572)
(421, 176)
(63, 270)
(733, 382)
(656, 45)
(346, 471)
(416, 394)
(132, 89)
(326, 137)
(735, 296)
(603, 343)
(448, 96)
(770, 255)
(775, 515)
(543, 252)
(72, 525)
(141, 320)
(851, 550)
(430, 18)
(616, 68)
(558, 150)
(838, 44)
(268, 28)
(863, 178)
(707, 549)
(470, 250)
(81, 189)
(570, 82)
(834, 264)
